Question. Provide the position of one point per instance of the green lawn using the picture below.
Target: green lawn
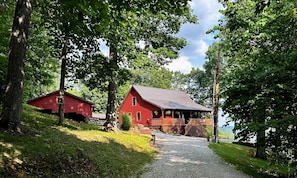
(75, 150)
(240, 157)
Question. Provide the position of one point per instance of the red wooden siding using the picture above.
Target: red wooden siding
(144, 108)
(177, 113)
(71, 104)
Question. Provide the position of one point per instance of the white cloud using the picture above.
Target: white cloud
(201, 47)
(181, 64)
(208, 15)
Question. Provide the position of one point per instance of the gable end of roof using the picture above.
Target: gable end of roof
(65, 93)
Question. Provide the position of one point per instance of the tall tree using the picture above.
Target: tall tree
(62, 80)
(202, 84)
(40, 63)
(112, 86)
(150, 22)
(199, 86)
(70, 23)
(6, 17)
(260, 45)
(13, 97)
(199, 83)
(240, 17)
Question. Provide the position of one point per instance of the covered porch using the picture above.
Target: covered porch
(183, 122)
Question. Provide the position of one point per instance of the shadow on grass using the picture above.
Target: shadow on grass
(238, 155)
(46, 151)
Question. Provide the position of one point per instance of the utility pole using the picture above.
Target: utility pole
(216, 97)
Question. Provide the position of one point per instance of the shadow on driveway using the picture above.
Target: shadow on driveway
(188, 157)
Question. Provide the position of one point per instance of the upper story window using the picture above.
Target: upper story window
(134, 101)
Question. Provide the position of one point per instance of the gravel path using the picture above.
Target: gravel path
(188, 157)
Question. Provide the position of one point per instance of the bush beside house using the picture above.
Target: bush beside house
(127, 121)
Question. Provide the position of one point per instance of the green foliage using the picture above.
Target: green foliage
(129, 27)
(96, 96)
(159, 78)
(46, 150)
(238, 156)
(40, 64)
(6, 18)
(209, 132)
(259, 78)
(198, 84)
(41, 67)
(127, 121)
(178, 80)
(123, 90)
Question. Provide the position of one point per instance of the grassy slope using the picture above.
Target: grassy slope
(75, 150)
(240, 157)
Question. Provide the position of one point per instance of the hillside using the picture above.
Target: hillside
(75, 150)
(226, 132)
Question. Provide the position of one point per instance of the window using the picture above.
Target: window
(167, 113)
(157, 114)
(134, 101)
(138, 116)
(177, 114)
(194, 114)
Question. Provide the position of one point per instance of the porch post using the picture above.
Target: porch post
(162, 119)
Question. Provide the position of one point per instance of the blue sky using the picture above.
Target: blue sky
(193, 55)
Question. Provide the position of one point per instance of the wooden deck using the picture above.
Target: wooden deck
(195, 127)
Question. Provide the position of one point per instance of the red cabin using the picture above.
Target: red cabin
(167, 110)
(72, 104)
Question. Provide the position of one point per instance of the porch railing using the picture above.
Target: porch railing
(176, 121)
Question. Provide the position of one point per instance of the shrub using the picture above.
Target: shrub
(127, 121)
(209, 133)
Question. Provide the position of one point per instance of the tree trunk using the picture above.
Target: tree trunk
(260, 116)
(260, 146)
(13, 97)
(216, 98)
(62, 83)
(112, 91)
(112, 100)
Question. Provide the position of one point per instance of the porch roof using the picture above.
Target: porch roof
(169, 99)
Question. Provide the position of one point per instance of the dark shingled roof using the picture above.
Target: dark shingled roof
(169, 99)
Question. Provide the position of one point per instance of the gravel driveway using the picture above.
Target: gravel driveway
(188, 157)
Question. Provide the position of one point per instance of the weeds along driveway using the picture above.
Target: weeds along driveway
(188, 157)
